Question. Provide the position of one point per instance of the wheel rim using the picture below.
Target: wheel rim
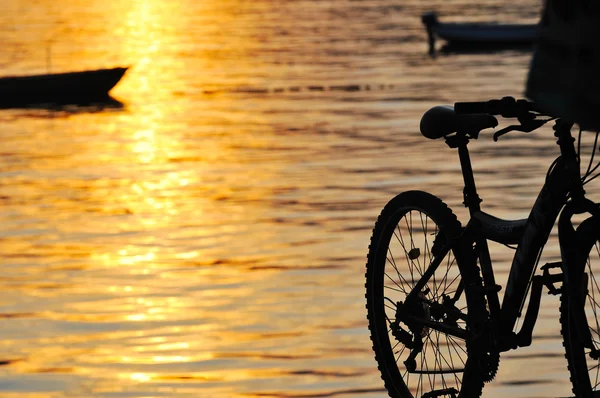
(443, 358)
(591, 289)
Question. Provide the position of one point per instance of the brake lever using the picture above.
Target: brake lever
(527, 127)
(505, 130)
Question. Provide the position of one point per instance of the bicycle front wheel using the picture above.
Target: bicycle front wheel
(580, 323)
(423, 344)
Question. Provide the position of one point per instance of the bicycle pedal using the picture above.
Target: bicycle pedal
(452, 392)
(549, 266)
(550, 279)
(493, 289)
(508, 342)
(490, 289)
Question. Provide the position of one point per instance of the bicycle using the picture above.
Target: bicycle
(433, 307)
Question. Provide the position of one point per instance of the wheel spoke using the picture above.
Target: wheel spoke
(400, 240)
(459, 346)
(437, 360)
(445, 278)
(412, 242)
(395, 283)
(393, 263)
(451, 364)
(396, 290)
(426, 246)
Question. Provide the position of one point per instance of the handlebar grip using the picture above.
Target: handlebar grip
(464, 108)
(507, 107)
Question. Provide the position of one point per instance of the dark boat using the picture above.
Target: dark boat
(478, 34)
(59, 88)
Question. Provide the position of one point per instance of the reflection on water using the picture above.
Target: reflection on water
(209, 238)
(67, 107)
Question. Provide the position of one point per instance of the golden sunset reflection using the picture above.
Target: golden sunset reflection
(207, 239)
(143, 29)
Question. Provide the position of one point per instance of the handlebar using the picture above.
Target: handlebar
(506, 107)
(524, 111)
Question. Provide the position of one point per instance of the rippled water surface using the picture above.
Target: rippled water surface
(208, 238)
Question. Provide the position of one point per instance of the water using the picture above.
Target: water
(209, 239)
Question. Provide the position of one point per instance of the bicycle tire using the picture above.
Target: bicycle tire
(447, 226)
(583, 369)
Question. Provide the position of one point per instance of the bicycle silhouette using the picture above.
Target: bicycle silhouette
(436, 321)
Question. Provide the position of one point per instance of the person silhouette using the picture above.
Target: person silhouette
(563, 76)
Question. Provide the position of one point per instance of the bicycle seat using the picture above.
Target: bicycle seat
(442, 120)
(501, 231)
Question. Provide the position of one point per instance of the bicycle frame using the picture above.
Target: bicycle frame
(562, 183)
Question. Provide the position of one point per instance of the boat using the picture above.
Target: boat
(478, 34)
(59, 88)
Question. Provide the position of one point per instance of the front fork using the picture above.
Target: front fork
(575, 244)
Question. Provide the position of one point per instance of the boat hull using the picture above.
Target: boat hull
(62, 88)
(478, 35)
